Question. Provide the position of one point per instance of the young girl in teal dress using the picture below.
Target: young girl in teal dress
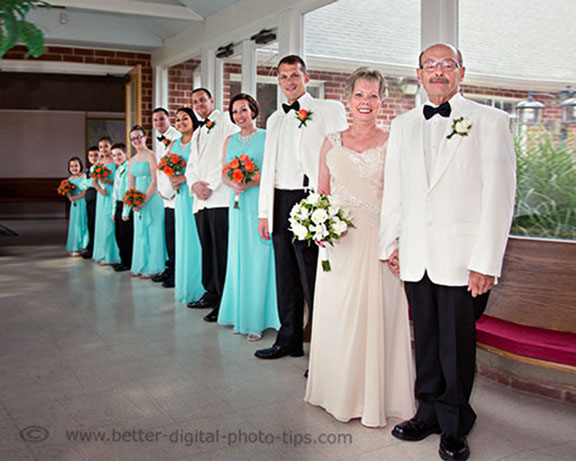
(249, 298)
(78, 236)
(188, 266)
(149, 248)
(105, 247)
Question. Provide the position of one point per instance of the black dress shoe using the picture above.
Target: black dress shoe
(87, 255)
(121, 268)
(414, 430)
(212, 316)
(169, 283)
(453, 447)
(276, 352)
(161, 277)
(306, 373)
(200, 304)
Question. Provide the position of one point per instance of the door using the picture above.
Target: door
(133, 101)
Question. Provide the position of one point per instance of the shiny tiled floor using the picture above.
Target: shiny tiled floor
(85, 349)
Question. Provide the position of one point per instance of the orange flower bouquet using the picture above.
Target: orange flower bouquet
(135, 199)
(101, 171)
(172, 165)
(242, 170)
(67, 187)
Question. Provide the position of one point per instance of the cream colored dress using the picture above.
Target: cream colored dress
(360, 355)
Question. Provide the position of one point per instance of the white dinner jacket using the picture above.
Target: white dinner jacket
(164, 186)
(327, 117)
(205, 161)
(459, 221)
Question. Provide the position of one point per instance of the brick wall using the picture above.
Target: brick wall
(97, 56)
(181, 84)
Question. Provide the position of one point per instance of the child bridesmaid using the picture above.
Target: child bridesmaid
(78, 236)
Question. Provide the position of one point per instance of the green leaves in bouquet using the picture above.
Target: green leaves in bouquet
(546, 190)
(15, 29)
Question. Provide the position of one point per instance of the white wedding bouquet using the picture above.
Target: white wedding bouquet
(321, 219)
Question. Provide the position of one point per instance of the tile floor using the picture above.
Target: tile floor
(85, 352)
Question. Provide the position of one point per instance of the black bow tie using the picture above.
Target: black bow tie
(443, 109)
(201, 123)
(161, 138)
(288, 107)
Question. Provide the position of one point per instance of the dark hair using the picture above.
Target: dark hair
(137, 128)
(447, 45)
(119, 145)
(79, 162)
(292, 59)
(105, 138)
(196, 90)
(191, 114)
(252, 103)
(161, 109)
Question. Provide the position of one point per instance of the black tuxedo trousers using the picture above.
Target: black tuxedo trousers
(295, 264)
(124, 232)
(444, 319)
(91, 214)
(169, 232)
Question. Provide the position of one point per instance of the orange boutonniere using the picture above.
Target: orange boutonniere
(303, 116)
(166, 142)
(209, 125)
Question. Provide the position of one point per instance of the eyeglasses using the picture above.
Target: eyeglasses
(136, 138)
(448, 65)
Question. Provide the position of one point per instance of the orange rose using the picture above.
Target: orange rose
(249, 165)
(244, 157)
(237, 176)
(169, 171)
(234, 163)
(302, 114)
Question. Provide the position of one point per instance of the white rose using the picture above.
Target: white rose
(304, 213)
(299, 231)
(295, 210)
(313, 198)
(321, 232)
(333, 210)
(340, 227)
(463, 126)
(319, 216)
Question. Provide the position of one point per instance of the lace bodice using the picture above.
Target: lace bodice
(357, 178)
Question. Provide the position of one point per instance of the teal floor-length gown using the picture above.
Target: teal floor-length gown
(105, 247)
(149, 247)
(188, 265)
(78, 236)
(249, 298)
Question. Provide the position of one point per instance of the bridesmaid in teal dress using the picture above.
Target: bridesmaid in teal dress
(105, 247)
(249, 298)
(149, 248)
(78, 237)
(188, 266)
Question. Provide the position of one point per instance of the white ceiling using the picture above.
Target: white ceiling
(121, 24)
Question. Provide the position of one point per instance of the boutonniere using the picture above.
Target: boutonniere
(460, 126)
(304, 115)
(166, 142)
(209, 125)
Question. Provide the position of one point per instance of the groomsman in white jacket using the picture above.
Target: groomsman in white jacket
(447, 208)
(166, 133)
(204, 176)
(290, 165)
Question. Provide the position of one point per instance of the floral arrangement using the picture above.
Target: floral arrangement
(67, 187)
(321, 219)
(460, 126)
(135, 199)
(241, 170)
(172, 165)
(101, 171)
(303, 116)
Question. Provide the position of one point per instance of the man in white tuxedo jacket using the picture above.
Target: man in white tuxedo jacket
(291, 156)
(204, 176)
(165, 134)
(447, 208)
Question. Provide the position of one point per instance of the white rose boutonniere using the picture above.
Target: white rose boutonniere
(460, 126)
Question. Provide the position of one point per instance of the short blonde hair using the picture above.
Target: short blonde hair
(366, 73)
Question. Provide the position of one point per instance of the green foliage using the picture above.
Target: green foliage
(15, 29)
(546, 192)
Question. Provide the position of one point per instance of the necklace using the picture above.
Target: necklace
(246, 139)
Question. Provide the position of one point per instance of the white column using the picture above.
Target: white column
(249, 65)
(219, 84)
(290, 33)
(439, 22)
(160, 87)
(209, 69)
